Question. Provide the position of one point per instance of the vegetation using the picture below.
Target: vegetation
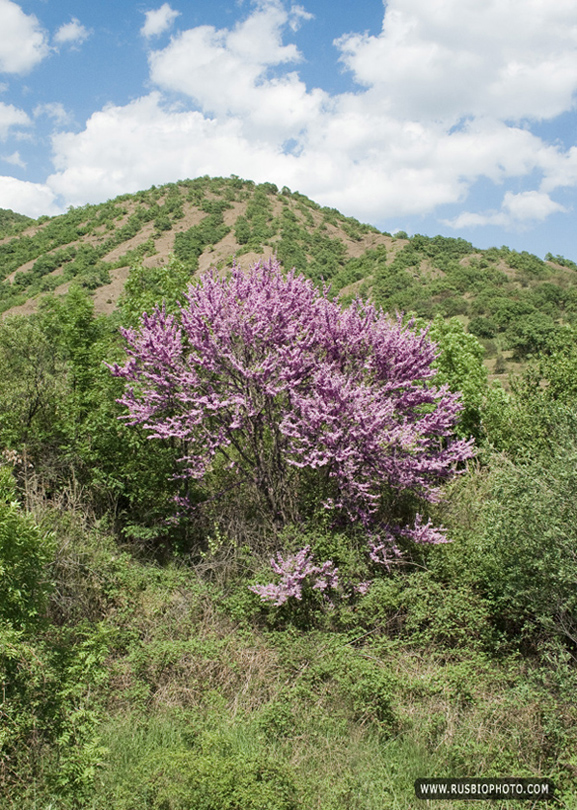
(514, 303)
(151, 657)
(11, 222)
(266, 377)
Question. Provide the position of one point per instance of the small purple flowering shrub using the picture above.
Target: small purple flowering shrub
(305, 404)
(296, 571)
(303, 587)
(329, 574)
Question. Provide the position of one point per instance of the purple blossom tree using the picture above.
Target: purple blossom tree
(262, 373)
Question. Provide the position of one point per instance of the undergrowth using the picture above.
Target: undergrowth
(149, 686)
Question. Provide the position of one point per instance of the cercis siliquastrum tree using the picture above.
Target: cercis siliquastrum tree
(263, 373)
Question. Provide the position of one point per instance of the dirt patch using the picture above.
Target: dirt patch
(394, 246)
(465, 261)
(27, 308)
(62, 289)
(164, 244)
(32, 230)
(368, 241)
(354, 288)
(277, 207)
(231, 215)
(141, 237)
(106, 297)
(192, 216)
(23, 268)
(225, 252)
(427, 269)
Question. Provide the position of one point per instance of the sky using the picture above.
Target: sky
(456, 117)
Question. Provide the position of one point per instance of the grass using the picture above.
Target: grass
(203, 707)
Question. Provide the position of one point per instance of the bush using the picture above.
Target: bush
(24, 554)
(460, 366)
(483, 327)
(218, 781)
(530, 564)
(515, 541)
(173, 762)
(268, 385)
(530, 334)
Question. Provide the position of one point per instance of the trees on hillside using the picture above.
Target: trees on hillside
(266, 382)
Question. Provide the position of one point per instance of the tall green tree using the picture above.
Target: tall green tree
(460, 365)
(32, 389)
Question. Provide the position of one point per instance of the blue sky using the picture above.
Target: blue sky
(431, 116)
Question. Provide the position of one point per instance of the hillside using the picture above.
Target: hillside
(513, 302)
(270, 550)
(204, 222)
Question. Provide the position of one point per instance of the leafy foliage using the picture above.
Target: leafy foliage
(215, 780)
(531, 578)
(10, 221)
(24, 553)
(460, 366)
(146, 286)
(189, 245)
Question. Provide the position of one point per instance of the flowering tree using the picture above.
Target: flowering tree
(261, 371)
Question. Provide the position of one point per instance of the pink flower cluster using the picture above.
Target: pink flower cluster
(295, 571)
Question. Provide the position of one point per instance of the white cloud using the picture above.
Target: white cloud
(441, 86)
(14, 159)
(561, 171)
(342, 163)
(225, 72)
(530, 205)
(129, 148)
(516, 210)
(32, 199)
(11, 116)
(445, 59)
(297, 15)
(23, 43)
(159, 21)
(72, 33)
(470, 219)
(54, 110)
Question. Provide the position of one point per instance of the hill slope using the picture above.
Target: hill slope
(203, 222)
(512, 301)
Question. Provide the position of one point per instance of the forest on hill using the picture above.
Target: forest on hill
(268, 546)
(513, 302)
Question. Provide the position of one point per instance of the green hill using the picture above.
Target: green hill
(204, 222)
(513, 302)
(11, 222)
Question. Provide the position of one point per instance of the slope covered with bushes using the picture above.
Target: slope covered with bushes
(513, 302)
(142, 664)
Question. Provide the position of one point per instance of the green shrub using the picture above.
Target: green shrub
(483, 327)
(460, 366)
(514, 527)
(24, 554)
(49, 746)
(432, 609)
(174, 763)
(529, 564)
(219, 781)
